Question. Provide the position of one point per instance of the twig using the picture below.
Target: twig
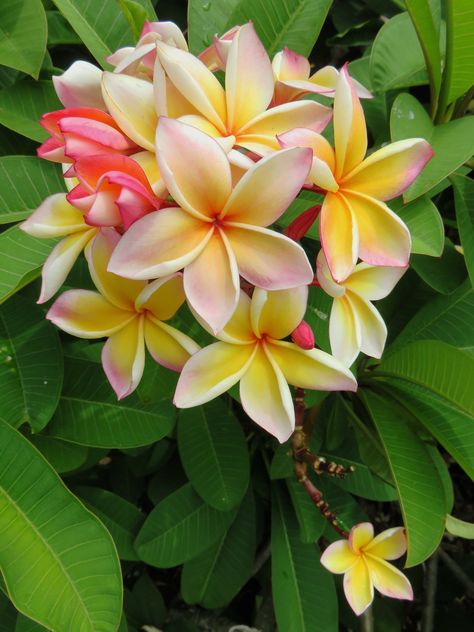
(431, 581)
(367, 620)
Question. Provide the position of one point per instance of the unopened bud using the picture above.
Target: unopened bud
(300, 226)
(303, 336)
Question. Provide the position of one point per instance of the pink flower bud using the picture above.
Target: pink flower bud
(303, 336)
(300, 226)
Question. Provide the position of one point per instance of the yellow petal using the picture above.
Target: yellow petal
(87, 314)
(162, 297)
(373, 282)
(277, 313)
(239, 330)
(325, 280)
(361, 535)
(212, 371)
(372, 327)
(350, 132)
(55, 217)
(310, 368)
(339, 236)
(123, 358)
(339, 557)
(389, 545)
(344, 331)
(131, 102)
(387, 579)
(147, 161)
(358, 587)
(266, 397)
(324, 161)
(168, 346)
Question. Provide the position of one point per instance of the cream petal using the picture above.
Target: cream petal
(123, 358)
(373, 282)
(159, 244)
(211, 372)
(266, 397)
(339, 235)
(168, 346)
(55, 217)
(239, 330)
(325, 280)
(278, 313)
(389, 544)
(338, 557)
(288, 65)
(361, 535)
(162, 297)
(344, 331)
(79, 86)
(358, 587)
(388, 580)
(372, 327)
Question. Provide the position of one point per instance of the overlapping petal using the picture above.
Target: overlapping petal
(338, 557)
(55, 217)
(345, 333)
(389, 544)
(373, 331)
(361, 535)
(278, 313)
(358, 587)
(339, 235)
(239, 329)
(162, 297)
(79, 86)
(167, 345)
(387, 579)
(373, 282)
(123, 357)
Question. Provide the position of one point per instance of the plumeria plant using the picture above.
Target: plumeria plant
(205, 421)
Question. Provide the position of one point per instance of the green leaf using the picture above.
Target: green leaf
(179, 528)
(214, 454)
(304, 596)
(89, 413)
(31, 365)
(23, 624)
(396, 60)
(23, 104)
(122, 519)
(464, 201)
(59, 31)
(148, 604)
(444, 274)
(135, 14)
(279, 23)
(63, 456)
(416, 478)
(310, 519)
(58, 561)
(25, 181)
(460, 528)
(452, 142)
(425, 224)
(213, 578)
(23, 33)
(7, 613)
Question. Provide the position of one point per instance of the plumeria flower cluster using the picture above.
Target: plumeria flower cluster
(175, 181)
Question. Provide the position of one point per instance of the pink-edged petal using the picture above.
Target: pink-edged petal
(268, 259)
(338, 557)
(211, 282)
(358, 587)
(211, 372)
(80, 86)
(325, 77)
(345, 333)
(117, 290)
(60, 261)
(168, 346)
(55, 217)
(102, 209)
(350, 132)
(87, 314)
(389, 171)
(373, 282)
(339, 236)
(239, 330)
(289, 65)
(389, 544)
(194, 167)
(131, 102)
(361, 535)
(248, 78)
(383, 238)
(162, 297)
(311, 368)
(266, 397)
(159, 244)
(195, 82)
(373, 330)
(253, 201)
(90, 170)
(277, 313)
(123, 358)
(387, 579)
(325, 279)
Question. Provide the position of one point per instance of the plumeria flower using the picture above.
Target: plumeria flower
(78, 132)
(219, 230)
(355, 324)
(292, 78)
(362, 559)
(80, 86)
(355, 221)
(130, 314)
(240, 111)
(250, 350)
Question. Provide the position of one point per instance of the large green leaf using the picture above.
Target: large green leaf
(59, 563)
(214, 453)
(310, 519)
(452, 142)
(63, 456)
(23, 624)
(444, 274)
(31, 365)
(464, 200)
(425, 224)
(304, 596)
(145, 605)
(23, 104)
(279, 23)
(179, 528)
(23, 33)
(459, 528)
(89, 413)
(416, 478)
(25, 181)
(213, 578)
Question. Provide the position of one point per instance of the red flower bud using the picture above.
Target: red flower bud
(300, 226)
(303, 336)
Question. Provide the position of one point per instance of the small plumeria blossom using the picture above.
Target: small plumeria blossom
(363, 560)
(354, 323)
(129, 313)
(251, 351)
(355, 221)
(218, 232)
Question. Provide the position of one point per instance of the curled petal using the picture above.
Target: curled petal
(123, 358)
(388, 580)
(79, 86)
(55, 217)
(344, 331)
(289, 65)
(389, 545)
(239, 330)
(373, 282)
(372, 327)
(358, 587)
(211, 372)
(361, 535)
(277, 313)
(168, 346)
(162, 297)
(338, 557)
(339, 235)
(325, 279)
(266, 397)
(87, 314)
